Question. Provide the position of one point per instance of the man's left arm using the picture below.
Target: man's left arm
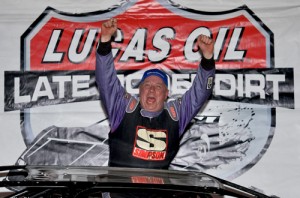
(192, 101)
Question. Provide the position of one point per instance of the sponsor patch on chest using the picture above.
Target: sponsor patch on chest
(150, 144)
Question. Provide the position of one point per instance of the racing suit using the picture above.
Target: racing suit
(139, 138)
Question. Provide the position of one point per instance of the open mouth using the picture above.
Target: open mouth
(151, 99)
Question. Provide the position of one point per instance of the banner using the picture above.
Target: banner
(51, 97)
(28, 89)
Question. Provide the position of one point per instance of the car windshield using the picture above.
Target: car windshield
(56, 181)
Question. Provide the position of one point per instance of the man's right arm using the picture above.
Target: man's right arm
(112, 94)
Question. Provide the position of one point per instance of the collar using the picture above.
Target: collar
(149, 114)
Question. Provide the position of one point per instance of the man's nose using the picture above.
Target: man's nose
(152, 88)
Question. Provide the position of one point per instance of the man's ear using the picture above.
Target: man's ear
(167, 94)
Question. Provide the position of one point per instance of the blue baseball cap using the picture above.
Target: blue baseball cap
(155, 72)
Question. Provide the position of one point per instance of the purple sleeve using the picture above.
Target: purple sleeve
(196, 96)
(112, 94)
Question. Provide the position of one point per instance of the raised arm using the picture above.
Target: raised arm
(201, 89)
(112, 94)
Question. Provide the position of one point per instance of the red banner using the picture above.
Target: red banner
(161, 34)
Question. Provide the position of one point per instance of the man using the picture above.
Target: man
(145, 131)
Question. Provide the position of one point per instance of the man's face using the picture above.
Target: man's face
(153, 93)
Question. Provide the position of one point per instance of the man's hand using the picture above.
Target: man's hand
(206, 45)
(108, 29)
